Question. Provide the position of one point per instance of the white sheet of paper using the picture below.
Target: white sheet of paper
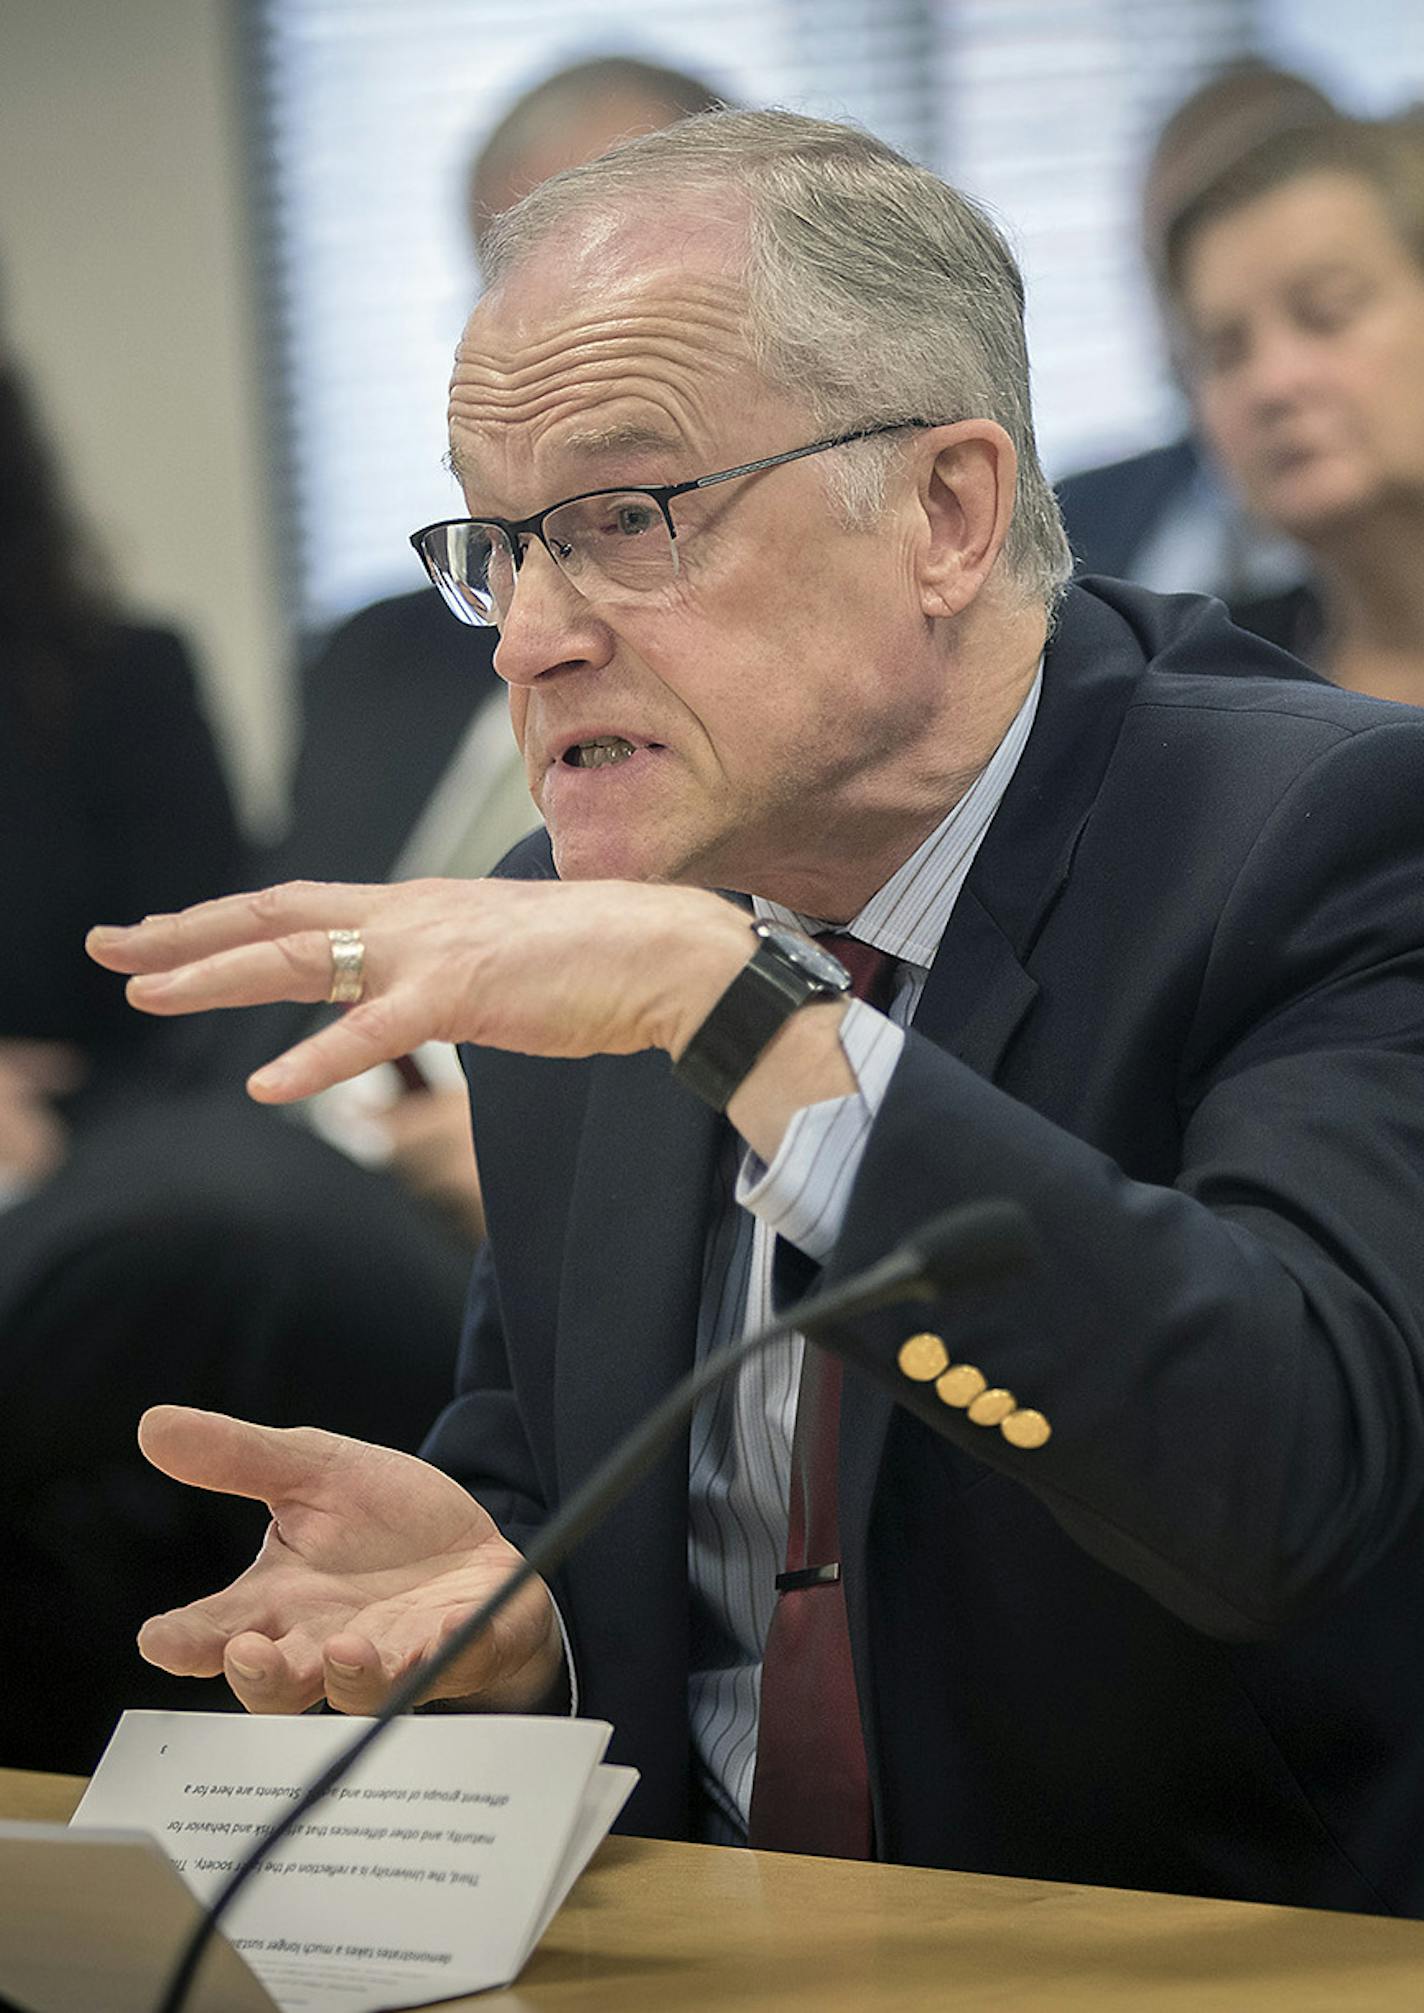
(432, 1870)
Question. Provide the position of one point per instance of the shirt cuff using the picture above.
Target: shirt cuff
(569, 1673)
(804, 1193)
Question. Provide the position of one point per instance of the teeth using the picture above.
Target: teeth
(598, 754)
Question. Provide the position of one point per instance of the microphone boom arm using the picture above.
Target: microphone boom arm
(978, 1241)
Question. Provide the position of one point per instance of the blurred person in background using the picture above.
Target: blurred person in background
(1164, 518)
(575, 113)
(407, 765)
(190, 1242)
(1297, 278)
(110, 786)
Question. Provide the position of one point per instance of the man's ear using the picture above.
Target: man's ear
(965, 494)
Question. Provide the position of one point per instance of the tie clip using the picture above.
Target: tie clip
(808, 1576)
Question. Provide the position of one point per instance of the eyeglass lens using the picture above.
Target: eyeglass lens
(613, 547)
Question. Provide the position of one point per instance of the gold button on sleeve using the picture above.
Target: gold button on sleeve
(923, 1357)
(1025, 1428)
(990, 1408)
(960, 1386)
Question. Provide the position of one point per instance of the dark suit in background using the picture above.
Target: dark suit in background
(1111, 512)
(1124, 520)
(1179, 1014)
(112, 802)
(384, 704)
(1164, 520)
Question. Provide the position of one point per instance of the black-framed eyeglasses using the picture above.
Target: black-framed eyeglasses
(614, 545)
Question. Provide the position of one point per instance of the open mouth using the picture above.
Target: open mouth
(598, 754)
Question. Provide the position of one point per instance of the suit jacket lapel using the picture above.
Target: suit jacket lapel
(627, 1324)
(980, 989)
(633, 1256)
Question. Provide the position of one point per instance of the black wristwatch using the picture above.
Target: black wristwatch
(785, 971)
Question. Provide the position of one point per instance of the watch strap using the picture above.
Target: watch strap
(757, 1004)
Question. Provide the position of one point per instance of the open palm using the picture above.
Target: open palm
(371, 1558)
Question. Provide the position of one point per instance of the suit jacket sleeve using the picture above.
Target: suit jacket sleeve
(1232, 1365)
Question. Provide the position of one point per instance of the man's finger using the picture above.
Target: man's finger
(296, 967)
(193, 1641)
(268, 1677)
(354, 1676)
(159, 943)
(376, 1032)
(183, 1642)
(234, 1457)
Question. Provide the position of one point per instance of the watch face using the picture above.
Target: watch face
(806, 954)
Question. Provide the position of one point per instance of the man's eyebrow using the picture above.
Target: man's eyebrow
(624, 437)
(617, 437)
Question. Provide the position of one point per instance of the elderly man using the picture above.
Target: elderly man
(1130, 1579)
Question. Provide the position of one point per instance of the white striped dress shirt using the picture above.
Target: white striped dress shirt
(740, 1467)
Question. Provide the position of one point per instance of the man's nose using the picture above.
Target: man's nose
(548, 625)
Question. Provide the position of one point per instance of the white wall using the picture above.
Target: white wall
(126, 292)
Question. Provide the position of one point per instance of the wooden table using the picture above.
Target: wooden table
(656, 1928)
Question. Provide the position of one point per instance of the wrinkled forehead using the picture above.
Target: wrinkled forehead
(602, 339)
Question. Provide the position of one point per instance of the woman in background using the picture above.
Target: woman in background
(165, 1237)
(1298, 277)
(112, 802)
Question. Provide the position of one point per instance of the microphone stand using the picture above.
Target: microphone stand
(979, 1241)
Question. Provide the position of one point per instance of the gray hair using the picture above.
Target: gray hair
(875, 291)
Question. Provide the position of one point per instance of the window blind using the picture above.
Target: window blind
(367, 112)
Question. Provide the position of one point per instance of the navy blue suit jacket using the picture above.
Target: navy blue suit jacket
(1111, 512)
(1179, 1014)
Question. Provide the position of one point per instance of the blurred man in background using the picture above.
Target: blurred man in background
(407, 765)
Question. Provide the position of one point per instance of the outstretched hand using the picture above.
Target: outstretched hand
(544, 967)
(372, 1558)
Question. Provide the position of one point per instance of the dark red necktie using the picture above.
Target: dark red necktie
(811, 1790)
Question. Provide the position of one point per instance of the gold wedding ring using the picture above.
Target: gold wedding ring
(348, 966)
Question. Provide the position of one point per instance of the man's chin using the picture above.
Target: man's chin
(613, 856)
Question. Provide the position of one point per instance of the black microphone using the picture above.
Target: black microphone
(974, 1244)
